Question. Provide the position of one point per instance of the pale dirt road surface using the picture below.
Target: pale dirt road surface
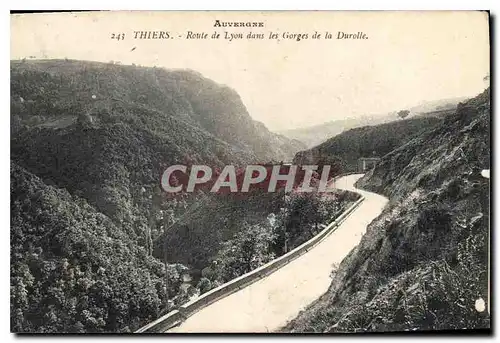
(271, 302)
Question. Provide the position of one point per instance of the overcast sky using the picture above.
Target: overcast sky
(407, 58)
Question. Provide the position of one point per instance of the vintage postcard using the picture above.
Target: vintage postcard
(277, 172)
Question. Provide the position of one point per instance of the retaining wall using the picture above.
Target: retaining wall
(175, 317)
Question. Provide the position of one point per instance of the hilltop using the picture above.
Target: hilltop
(317, 134)
(56, 93)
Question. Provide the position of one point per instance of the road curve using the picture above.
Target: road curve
(268, 304)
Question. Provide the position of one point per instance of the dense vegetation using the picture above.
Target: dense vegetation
(72, 268)
(423, 263)
(75, 270)
(90, 227)
(55, 93)
(367, 141)
(296, 218)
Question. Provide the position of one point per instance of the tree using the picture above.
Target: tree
(403, 113)
(168, 220)
(486, 80)
(249, 249)
(283, 215)
(204, 285)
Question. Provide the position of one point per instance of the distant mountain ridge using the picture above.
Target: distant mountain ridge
(437, 105)
(367, 141)
(314, 135)
(317, 134)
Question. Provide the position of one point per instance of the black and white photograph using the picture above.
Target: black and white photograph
(279, 172)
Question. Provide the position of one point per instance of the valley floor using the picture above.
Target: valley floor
(268, 304)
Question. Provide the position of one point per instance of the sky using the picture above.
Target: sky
(409, 57)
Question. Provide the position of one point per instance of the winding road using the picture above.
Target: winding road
(271, 302)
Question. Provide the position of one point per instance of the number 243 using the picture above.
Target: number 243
(118, 36)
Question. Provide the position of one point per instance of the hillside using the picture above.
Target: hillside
(73, 269)
(55, 93)
(423, 263)
(317, 134)
(106, 132)
(89, 143)
(367, 141)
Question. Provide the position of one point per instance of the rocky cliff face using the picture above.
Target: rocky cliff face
(423, 263)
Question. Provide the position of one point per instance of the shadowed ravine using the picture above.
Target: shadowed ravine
(271, 302)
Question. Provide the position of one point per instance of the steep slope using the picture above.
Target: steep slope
(106, 132)
(54, 93)
(367, 141)
(73, 269)
(89, 144)
(423, 263)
